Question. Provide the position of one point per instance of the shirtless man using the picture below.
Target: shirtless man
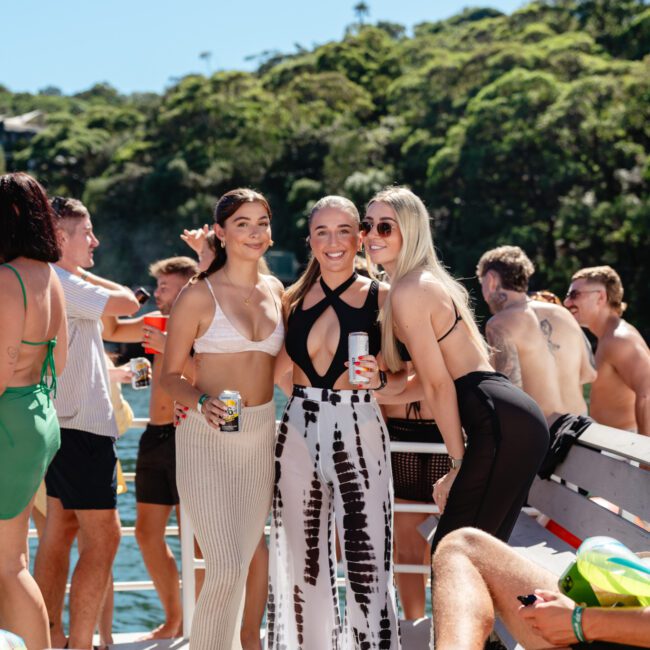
(155, 478)
(538, 345)
(620, 396)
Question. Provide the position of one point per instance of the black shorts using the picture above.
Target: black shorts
(155, 470)
(83, 474)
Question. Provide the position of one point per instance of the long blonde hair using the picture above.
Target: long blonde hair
(417, 252)
(298, 290)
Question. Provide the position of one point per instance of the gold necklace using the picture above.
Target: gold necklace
(246, 300)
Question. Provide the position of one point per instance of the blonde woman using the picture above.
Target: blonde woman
(427, 320)
(231, 314)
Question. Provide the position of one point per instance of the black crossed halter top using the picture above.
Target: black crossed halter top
(351, 319)
(404, 353)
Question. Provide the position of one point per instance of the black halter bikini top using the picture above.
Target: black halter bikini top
(351, 319)
(404, 353)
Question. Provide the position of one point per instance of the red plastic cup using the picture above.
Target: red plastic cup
(159, 322)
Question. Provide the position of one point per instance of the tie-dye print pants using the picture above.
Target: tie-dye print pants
(331, 465)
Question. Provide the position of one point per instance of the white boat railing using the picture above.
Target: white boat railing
(190, 563)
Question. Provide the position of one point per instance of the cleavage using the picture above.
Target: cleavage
(323, 341)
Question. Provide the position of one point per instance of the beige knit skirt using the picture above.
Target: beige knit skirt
(225, 483)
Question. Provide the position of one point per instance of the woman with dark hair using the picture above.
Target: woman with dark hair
(332, 465)
(32, 323)
(427, 320)
(231, 314)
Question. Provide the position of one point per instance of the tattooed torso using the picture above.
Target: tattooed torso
(541, 349)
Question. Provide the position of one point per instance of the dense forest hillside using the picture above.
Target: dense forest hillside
(532, 129)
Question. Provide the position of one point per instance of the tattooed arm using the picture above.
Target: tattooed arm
(504, 355)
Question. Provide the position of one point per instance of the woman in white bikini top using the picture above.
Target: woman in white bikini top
(230, 314)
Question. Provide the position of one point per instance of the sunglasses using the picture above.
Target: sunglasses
(384, 228)
(574, 293)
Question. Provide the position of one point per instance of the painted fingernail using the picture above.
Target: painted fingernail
(184, 415)
(186, 408)
(357, 363)
(357, 372)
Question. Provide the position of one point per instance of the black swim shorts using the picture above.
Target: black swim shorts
(155, 470)
(83, 474)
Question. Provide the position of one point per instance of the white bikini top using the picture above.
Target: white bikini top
(223, 337)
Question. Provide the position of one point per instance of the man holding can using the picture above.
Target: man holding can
(81, 481)
(155, 478)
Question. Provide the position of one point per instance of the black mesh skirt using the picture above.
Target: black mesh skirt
(414, 474)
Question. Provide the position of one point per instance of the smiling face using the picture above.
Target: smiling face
(247, 232)
(382, 247)
(334, 239)
(78, 242)
(584, 300)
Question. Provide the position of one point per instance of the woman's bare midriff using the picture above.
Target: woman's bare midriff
(461, 354)
(250, 373)
(300, 379)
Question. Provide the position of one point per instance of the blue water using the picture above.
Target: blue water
(138, 610)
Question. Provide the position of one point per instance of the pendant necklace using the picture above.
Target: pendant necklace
(246, 300)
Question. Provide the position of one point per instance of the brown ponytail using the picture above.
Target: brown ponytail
(297, 291)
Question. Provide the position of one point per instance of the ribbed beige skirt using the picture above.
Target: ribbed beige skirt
(225, 483)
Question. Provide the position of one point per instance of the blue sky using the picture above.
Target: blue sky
(141, 45)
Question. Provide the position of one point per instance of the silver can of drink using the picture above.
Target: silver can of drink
(140, 367)
(232, 400)
(358, 345)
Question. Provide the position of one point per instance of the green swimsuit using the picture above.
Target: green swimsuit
(29, 433)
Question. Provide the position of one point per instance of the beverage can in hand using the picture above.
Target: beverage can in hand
(140, 367)
(232, 400)
(358, 346)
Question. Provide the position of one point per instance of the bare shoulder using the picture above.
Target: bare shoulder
(502, 322)
(9, 285)
(510, 329)
(418, 286)
(625, 339)
(274, 283)
(194, 295)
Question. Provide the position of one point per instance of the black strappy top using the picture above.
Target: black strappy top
(404, 353)
(351, 319)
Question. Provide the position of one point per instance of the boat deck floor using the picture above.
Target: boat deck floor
(415, 636)
(128, 641)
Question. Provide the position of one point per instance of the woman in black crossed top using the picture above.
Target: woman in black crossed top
(428, 312)
(332, 456)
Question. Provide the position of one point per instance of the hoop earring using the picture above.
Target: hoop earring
(223, 243)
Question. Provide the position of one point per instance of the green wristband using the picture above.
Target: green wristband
(202, 399)
(576, 622)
